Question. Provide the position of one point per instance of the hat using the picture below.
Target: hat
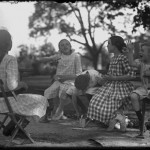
(82, 81)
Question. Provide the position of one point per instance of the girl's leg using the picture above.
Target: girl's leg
(59, 111)
(136, 105)
(84, 106)
(135, 101)
(56, 104)
(74, 102)
(48, 111)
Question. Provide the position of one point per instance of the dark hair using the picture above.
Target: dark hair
(5, 40)
(82, 81)
(118, 42)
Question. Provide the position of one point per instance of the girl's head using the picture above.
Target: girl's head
(65, 47)
(145, 51)
(82, 81)
(5, 41)
(116, 44)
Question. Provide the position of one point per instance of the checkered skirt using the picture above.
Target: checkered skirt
(108, 99)
(112, 94)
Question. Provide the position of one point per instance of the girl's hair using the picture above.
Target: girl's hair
(118, 42)
(82, 81)
(5, 40)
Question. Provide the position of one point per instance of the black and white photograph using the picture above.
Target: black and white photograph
(75, 74)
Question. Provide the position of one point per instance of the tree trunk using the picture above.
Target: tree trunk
(95, 61)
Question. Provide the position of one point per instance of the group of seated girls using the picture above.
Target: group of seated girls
(109, 95)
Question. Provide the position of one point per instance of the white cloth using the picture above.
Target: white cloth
(30, 105)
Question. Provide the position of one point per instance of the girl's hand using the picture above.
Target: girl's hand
(146, 73)
(100, 80)
(56, 78)
(130, 47)
(59, 78)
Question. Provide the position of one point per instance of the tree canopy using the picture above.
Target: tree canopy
(142, 7)
(97, 14)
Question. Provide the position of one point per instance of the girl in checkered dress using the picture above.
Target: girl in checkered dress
(68, 67)
(114, 94)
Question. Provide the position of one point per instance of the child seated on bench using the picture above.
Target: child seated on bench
(22, 104)
(144, 67)
(68, 67)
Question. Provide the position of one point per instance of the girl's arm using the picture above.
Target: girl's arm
(13, 82)
(131, 60)
(74, 101)
(128, 71)
(12, 74)
(55, 57)
(129, 54)
(118, 78)
(63, 78)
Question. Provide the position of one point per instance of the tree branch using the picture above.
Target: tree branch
(100, 48)
(71, 39)
(78, 42)
(94, 26)
(80, 21)
(82, 26)
(89, 30)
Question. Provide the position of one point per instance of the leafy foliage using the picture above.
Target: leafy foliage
(27, 60)
(142, 7)
(97, 14)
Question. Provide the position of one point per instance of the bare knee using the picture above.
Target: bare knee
(134, 97)
(135, 101)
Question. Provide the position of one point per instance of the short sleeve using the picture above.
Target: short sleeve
(78, 66)
(128, 70)
(12, 74)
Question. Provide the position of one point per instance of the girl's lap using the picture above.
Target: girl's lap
(63, 89)
(107, 100)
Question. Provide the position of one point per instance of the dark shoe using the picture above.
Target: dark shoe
(9, 128)
(44, 119)
(24, 124)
